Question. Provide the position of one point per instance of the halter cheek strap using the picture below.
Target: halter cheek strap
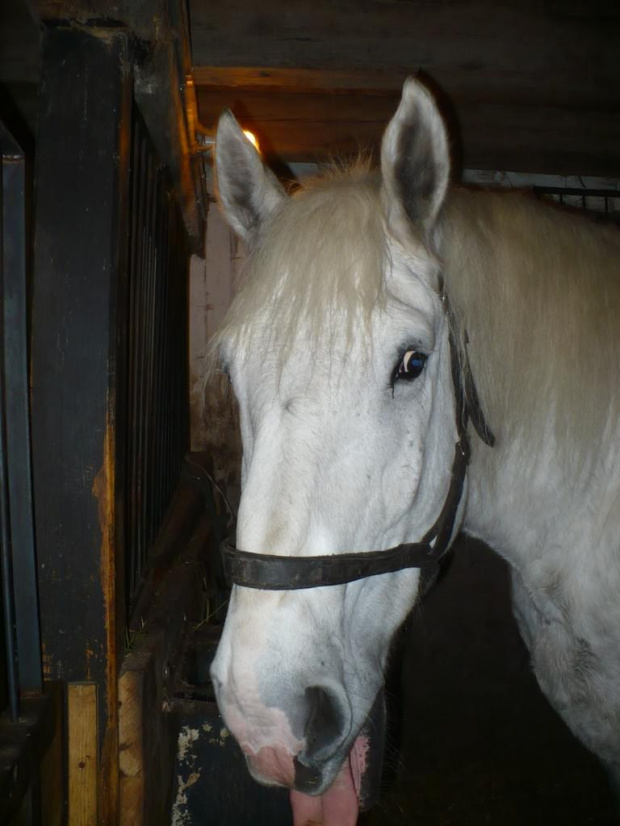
(286, 573)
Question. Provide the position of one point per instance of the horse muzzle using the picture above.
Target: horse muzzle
(315, 771)
(330, 765)
(311, 745)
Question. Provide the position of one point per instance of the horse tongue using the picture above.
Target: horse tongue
(357, 783)
(337, 807)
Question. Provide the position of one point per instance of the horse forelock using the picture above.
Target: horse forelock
(318, 266)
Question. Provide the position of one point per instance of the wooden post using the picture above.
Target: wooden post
(77, 340)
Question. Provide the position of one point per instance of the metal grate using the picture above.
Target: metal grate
(157, 353)
(602, 203)
(20, 667)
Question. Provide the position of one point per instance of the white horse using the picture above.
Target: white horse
(338, 347)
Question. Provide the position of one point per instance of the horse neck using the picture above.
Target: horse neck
(529, 286)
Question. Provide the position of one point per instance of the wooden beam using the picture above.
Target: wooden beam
(568, 45)
(312, 126)
(162, 94)
(461, 83)
(297, 80)
(150, 20)
(77, 312)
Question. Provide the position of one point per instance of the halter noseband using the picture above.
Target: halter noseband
(286, 573)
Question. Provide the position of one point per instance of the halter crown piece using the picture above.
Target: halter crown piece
(286, 573)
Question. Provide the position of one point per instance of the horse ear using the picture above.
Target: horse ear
(247, 190)
(415, 161)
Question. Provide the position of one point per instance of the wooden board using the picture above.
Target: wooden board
(570, 44)
(83, 750)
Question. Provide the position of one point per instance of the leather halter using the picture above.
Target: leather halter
(286, 573)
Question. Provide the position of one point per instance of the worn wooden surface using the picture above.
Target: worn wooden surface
(149, 19)
(529, 86)
(80, 244)
(524, 41)
(131, 745)
(82, 753)
(147, 731)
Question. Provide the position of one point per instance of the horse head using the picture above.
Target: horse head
(337, 347)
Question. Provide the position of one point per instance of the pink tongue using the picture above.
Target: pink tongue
(339, 805)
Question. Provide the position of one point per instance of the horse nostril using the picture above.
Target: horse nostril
(307, 778)
(325, 720)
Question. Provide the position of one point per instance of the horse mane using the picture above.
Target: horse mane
(320, 259)
(536, 295)
(534, 291)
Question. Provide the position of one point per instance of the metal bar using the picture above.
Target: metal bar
(19, 468)
(559, 190)
(156, 346)
(156, 336)
(159, 413)
(146, 392)
(138, 183)
(141, 281)
(144, 357)
(154, 368)
(8, 601)
(6, 557)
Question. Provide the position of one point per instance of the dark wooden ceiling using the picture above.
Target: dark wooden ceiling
(527, 85)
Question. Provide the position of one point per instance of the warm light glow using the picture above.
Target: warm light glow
(252, 138)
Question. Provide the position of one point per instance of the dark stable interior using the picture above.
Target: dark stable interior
(475, 741)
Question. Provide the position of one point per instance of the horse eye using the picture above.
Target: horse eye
(410, 366)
